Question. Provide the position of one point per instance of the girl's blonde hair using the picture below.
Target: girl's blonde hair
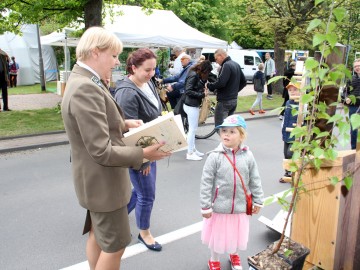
(242, 132)
(97, 37)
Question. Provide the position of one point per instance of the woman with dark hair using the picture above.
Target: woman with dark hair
(195, 91)
(137, 96)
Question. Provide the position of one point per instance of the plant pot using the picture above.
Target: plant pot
(266, 260)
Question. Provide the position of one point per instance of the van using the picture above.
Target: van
(247, 59)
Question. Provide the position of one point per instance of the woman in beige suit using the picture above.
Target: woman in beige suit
(100, 160)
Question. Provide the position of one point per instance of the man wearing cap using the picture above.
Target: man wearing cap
(230, 81)
(174, 91)
(288, 74)
(4, 79)
(179, 52)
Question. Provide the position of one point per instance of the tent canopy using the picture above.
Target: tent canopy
(161, 28)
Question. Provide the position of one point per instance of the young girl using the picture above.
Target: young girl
(222, 197)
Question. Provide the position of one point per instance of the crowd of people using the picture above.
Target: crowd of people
(112, 179)
(8, 76)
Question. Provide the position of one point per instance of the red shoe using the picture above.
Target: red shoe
(235, 262)
(214, 265)
(261, 111)
(252, 112)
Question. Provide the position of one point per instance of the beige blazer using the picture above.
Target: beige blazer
(95, 124)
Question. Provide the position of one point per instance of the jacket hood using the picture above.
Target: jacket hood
(125, 83)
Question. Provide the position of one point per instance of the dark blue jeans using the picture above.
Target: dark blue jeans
(223, 109)
(173, 97)
(143, 196)
(353, 133)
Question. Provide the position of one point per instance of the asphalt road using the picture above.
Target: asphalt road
(41, 220)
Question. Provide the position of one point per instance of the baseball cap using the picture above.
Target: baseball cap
(233, 121)
(297, 85)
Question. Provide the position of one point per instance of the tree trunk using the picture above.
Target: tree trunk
(279, 56)
(92, 13)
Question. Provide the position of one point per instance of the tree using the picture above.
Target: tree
(63, 13)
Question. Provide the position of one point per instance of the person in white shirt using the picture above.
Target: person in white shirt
(177, 68)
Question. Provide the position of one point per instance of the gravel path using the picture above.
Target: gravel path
(33, 101)
(50, 100)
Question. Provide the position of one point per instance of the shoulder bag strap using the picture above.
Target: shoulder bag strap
(237, 171)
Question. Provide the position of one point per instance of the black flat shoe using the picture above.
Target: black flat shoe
(154, 247)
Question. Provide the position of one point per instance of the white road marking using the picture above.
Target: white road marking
(163, 239)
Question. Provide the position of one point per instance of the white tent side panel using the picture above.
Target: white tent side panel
(25, 50)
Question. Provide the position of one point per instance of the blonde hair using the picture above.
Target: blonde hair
(261, 66)
(97, 37)
(242, 132)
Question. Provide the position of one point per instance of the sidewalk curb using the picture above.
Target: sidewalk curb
(66, 141)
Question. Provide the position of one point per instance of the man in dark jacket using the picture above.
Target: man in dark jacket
(4, 79)
(230, 81)
(353, 88)
(174, 91)
(288, 74)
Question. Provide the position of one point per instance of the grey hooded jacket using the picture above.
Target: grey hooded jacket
(221, 190)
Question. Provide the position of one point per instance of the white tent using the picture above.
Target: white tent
(161, 28)
(25, 50)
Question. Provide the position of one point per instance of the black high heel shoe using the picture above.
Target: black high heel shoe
(154, 247)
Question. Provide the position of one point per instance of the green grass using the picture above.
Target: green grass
(32, 89)
(15, 123)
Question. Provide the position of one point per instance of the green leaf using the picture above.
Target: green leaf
(322, 73)
(348, 182)
(318, 39)
(268, 201)
(318, 152)
(355, 120)
(311, 63)
(332, 39)
(275, 79)
(334, 180)
(317, 163)
(322, 134)
(317, 2)
(339, 13)
(313, 24)
(288, 253)
(330, 154)
(335, 118)
(307, 98)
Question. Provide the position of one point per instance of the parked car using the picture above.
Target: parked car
(247, 59)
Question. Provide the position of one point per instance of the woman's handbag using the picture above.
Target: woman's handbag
(179, 105)
(248, 195)
(204, 109)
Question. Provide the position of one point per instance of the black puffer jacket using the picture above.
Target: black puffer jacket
(194, 89)
(231, 80)
(355, 85)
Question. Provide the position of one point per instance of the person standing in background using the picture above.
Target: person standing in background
(353, 88)
(13, 71)
(195, 91)
(4, 79)
(259, 82)
(230, 81)
(269, 73)
(288, 74)
(95, 126)
(175, 90)
(177, 67)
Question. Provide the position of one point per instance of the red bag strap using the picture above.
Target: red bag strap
(237, 171)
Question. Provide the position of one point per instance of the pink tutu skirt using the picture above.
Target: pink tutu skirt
(226, 233)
